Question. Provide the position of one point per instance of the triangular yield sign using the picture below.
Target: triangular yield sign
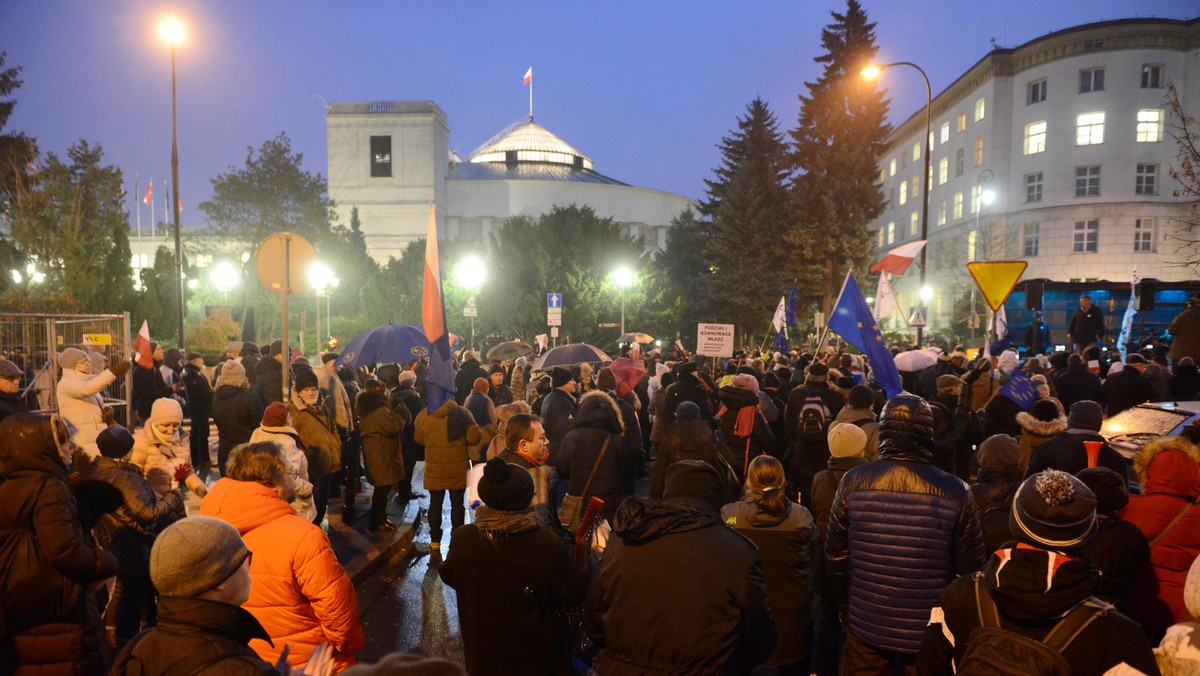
(996, 279)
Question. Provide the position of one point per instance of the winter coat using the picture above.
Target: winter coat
(1186, 330)
(865, 420)
(296, 462)
(237, 413)
(1066, 452)
(267, 381)
(1119, 551)
(544, 502)
(484, 412)
(129, 532)
(1016, 580)
(501, 395)
(158, 461)
(1086, 327)
(1000, 417)
(517, 382)
(380, 429)
(1179, 652)
(557, 409)
(648, 618)
(1078, 384)
(688, 387)
(760, 441)
(64, 633)
(598, 420)
(785, 549)
(335, 397)
(915, 529)
(956, 431)
(79, 403)
(695, 440)
(512, 579)
(1170, 475)
(407, 398)
(196, 636)
(148, 385)
(807, 455)
(993, 495)
(10, 404)
(299, 593)
(199, 394)
(1034, 432)
(1126, 389)
(824, 487)
(446, 436)
(1185, 384)
(464, 380)
(319, 435)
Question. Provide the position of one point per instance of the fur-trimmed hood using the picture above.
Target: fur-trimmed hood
(1042, 428)
(597, 409)
(1182, 479)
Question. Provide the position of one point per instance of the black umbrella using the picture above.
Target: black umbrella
(509, 350)
(570, 355)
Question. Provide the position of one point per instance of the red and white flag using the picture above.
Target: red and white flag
(885, 299)
(897, 260)
(143, 353)
(528, 76)
(149, 192)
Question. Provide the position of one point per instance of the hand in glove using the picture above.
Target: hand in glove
(984, 366)
(120, 368)
(182, 470)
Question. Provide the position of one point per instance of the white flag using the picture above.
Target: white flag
(885, 298)
(1130, 313)
(999, 321)
(779, 321)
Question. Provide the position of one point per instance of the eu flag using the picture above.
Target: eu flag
(852, 320)
(1021, 389)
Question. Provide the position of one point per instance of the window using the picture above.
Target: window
(914, 224)
(1091, 80)
(1029, 238)
(903, 192)
(958, 162)
(1143, 235)
(978, 156)
(958, 205)
(1087, 181)
(1087, 233)
(960, 124)
(1092, 45)
(892, 167)
(1150, 125)
(891, 237)
(1033, 187)
(941, 219)
(1147, 180)
(975, 192)
(879, 238)
(931, 139)
(381, 156)
(945, 135)
(1152, 76)
(882, 174)
(916, 185)
(1035, 92)
(972, 245)
(943, 170)
(1089, 129)
(1035, 137)
(979, 110)
(916, 151)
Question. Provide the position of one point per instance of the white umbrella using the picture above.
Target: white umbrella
(916, 360)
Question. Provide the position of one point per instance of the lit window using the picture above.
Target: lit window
(1152, 76)
(1147, 180)
(979, 110)
(975, 192)
(960, 125)
(1091, 80)
(958, 205)
(1149, 125)
(959, 155)
(1035, 137)
(931, 139)
(903, 193)
(1087, 181)
(941, 218)
(1087, 234)
(916, 151)
(1089, 129)
(892, 167)
(1033, 187)
(916, 185)
(943, 170)
(1029, 236)
(1143, 235)
(381, 156)
(891, 237)
(978, 156)
(882, 174)
(914, 224)
(945, 132)
(1036, 92)
(879, 238)
(972, 244)
(204, 260)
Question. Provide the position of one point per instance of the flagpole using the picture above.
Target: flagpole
(150, 187)
(531, 96)
(137, 205)
(166, 214)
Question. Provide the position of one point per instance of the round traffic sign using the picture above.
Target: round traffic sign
(269, 261)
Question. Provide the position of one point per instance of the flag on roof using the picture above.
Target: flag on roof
(528, 76)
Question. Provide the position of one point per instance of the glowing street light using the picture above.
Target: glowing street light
(471, 274)
(224, 276)
(173, 33)
(321, 279)
(623, 278)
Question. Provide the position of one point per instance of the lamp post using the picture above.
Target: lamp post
(320, 278)
(986, 197)
(172, 32)
(224, 276)
(872, 72)
(471, 274)
(623, 277)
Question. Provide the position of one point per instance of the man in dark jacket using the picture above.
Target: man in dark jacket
(1087, 324)
(691, 437)
(235, 410)
(464, 380)
(404, 395)
(557, 409)
(1128, 387)
(1037, 335)
(688, 386)
(268, 376)
(647, 617)
(810, 411)
(251, 356)
(199, 396)
(956, 428)
(1067, 451)
(1078, 383)
(1033, 585)
(148, 384)
(1185, 327)
(10, 389)
(915, 529)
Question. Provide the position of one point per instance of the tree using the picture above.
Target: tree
(748, 208)
(159, 298)
(17, 151)
(836, 148)
(678, 281)
(1186, 173)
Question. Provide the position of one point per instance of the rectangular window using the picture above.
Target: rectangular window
(903, 192)
(945, 135)
(1152, 76)
(1029, 237)
(1033, 187)
(972, 244)
(941, 219)
(960, 124)
(1146, 182)
(1089, 129)
(916, 152)
(958, 206)
(1036, 92)
(891, 232)
(1150, 125)
(381, 156)
(943, 170)
(914, 224)
(1035, 137)
(1091, 80)
(978, 155)
(879, 238)
(916, 185)
(979, 110)
(892, 167)
(1143, 235)
(1092, 45)
(975, 193)
(892, 198)
(1087, 181)
(1087, 234)
(958, 162)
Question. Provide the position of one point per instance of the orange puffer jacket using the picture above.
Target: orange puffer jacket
(299, 593)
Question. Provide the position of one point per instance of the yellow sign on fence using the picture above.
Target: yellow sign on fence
(98, 338)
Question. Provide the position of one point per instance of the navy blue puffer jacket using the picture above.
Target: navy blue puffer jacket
(900, 531)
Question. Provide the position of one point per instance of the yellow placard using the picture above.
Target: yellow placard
(996, 279)
(98, 338)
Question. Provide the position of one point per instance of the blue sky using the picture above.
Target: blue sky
(646, 89)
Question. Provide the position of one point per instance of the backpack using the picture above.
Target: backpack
(813, 424)
(994, 650)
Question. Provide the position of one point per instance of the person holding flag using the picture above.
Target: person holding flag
(853, 320)
(80, 404)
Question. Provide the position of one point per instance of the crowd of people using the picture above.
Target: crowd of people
(772, 512)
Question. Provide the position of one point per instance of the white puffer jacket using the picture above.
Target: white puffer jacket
(79, 403)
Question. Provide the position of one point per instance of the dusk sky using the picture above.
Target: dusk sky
(646, 89)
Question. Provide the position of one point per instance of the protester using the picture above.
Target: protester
(1086, 327)
(556, 411)
(1037, 335)
(464, 380)
(159, 452)
(1128, 387)
(446, 434)
(277, 427)
(319, 436)
(860, 411)
(513, 580)
(148, 384)
(503, 415)
(199, 398)
(742, 423)
(691, 437)
(498, 392)
(1042, 422)
(956, 428)
(484, 412)
(1119, 550)
(1068, 451)
(235, 410)
(380, 427)
(80, 403)
(300, 593)
(1179, 652)
(11, 400)
(333, 393)
(688, 386)
(405, 395)
(810, 410)
(526, 446)
(1078, 383)
(1185, 380)
(594, 452)
(1185, 328)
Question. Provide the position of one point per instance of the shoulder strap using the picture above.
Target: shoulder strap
(1075, 622)
(989, 616)
(1174, 522)
(587, 486)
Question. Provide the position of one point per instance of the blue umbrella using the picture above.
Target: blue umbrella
(390, 343)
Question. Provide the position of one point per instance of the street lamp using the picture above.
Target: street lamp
(224, 276)
(871, 72)
(623, 277)
(173, 33)
(320, 278)
(471, 274)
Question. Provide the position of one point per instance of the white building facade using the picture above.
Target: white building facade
(1057, 152)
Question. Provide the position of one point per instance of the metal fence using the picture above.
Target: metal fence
(34, 341)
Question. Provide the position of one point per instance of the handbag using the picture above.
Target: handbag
(570, 512)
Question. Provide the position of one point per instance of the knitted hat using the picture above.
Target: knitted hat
(305, 378)
(114, 442)
(1044, 410)
(275, 415)
(234, 346)
(233, 368)
(250, 349)
(1007, 360)
(405, 377)
(495, 368)
(1054, 510)
(560, 376)
(195, 554)
(817, 373)
(194, 355)
(687, 410)
(505, 487)
(1085, 415)
(745, 381)
(480, 384)
(1110, 488)
(847, 440)
(948, 380)
(70, 357)
(1186, 361)
(999, 451)
(694, 480)
(9, 369)
(862, 397)
(166, 409)
(276, 348)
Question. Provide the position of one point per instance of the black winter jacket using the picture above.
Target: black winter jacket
(694, 440)
(803, 455)
(557, 409)
(129, 532)
(688, 387)
(237, 414)
(1078, 384)
(1118, 551)
(1066, 452)
(148, 385)
(196, 636)
(761, 439)
(597, 420)
(199, 393)
(993, 496)
(267, 381)
(1126, 389)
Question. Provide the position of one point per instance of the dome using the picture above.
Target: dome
(528, 142)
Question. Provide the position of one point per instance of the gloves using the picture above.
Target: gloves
(982, 367)
(120, 368)
(108, 416)
(182, 470)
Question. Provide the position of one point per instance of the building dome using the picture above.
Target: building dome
(528, 142)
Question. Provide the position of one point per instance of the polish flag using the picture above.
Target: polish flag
(143, 354)
(897, 260)
(149, 192)
(528, 76)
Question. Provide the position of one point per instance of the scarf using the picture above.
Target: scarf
(494, 520)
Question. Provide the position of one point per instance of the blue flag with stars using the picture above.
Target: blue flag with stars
(852, 320)
(1021, 389)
